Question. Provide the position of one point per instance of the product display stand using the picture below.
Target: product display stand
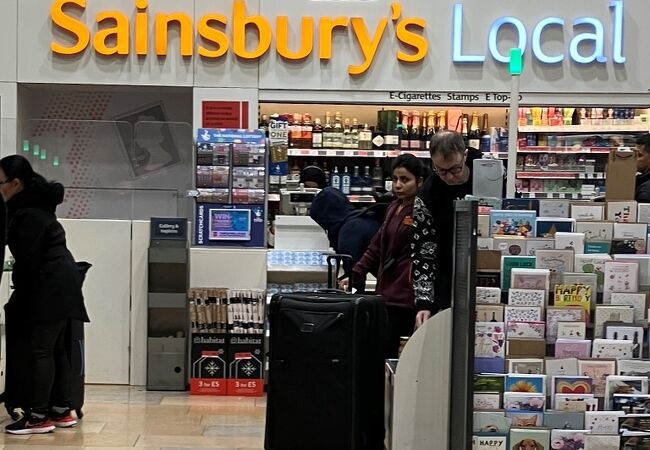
(421, 405)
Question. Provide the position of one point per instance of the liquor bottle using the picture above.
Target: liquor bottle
(336, 179)
(474, 132)
(317, 134)
(347, 134)
(327, 173)
(431, 128)
(388, 183)
(294, 173)
(337, 133)
(345, 181)
(486, 141)
(327, 131)
(464, 130)
(378, 139)
(424, 131)
(354, 132)
(404, 131)
(307, 131)
(264, 124)
(415, 131)
(367, 187)
(295, 131)
(365, 138)
(377, 175)
(393, 124)
(442, 121)
(356, 182)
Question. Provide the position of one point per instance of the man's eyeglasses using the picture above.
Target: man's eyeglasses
(451, 171)
(3, 182)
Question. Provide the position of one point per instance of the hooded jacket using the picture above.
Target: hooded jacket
(433, 238)
(47, 282)
(348, 229)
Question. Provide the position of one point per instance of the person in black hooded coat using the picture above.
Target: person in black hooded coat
(47, 290)
(348, 229)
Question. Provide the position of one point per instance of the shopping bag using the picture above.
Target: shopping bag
(488, 178)
(620, 183)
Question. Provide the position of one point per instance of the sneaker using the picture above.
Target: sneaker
(30, 425)
(65, 420)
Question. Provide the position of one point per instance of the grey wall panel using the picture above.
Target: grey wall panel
(8, 32)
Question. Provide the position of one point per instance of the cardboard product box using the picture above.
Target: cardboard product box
(620, 182)
(246, 365)
(209, 368)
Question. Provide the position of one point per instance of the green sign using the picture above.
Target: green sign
(516, 62)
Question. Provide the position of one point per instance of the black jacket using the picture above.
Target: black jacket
(433, 238)
(46, 280)
(348, 229)
(642, 194)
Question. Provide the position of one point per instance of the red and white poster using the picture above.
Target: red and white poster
(224, 114)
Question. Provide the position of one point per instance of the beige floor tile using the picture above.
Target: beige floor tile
(31, 447)
(188, 442)
(198, 400)
(166, 428)
(232, 419)
(98, 440)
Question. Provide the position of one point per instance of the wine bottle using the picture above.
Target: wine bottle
(404, 131)
(327, 131)
(354, 133)
(474, 138)
(345, 181)
(367, 186)
(391, 137)
(317, 134)
(347, 134)
(356, 182)
(337, 132)
(365, 138)
(442, 121)
(377, 175)
(327, 173)
(307, 131)
(464, 129)
(486, 141)
(415, 131)
(295, 131)
(378, 139)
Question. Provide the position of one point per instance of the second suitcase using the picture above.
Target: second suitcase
(326, 373)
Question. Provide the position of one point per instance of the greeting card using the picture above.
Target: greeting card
(601, 442)
(525, 383)
(576, 402)
(643, 213)
(555, 315)
(573, 295)
(548, 227)
(573, 241)
(489, 327)
(489, 345)
(534, 439)
(610, 348)
(483, 243)
(520, 204)
(571, 330)
(527, 297)
(594, 263)
(620, 277)
(562, 420)
(526, 366)
(554, 208)
(557, 260)
(512, 223)
(523, 314)
(628, 247)
(619, 332)
(644, 267)
(622, 211)
(587, 279)
(526, 330)
(633, 423)
(617, 384)
(568, 439)
(489, 365)
(611, 313)
(489, 313)
(538, 279)
(596, 231)
(510, 263)
(587, 211)
(488, 295)
(634, 368)
(483, 229)
(490, 441)
(579, 385)
(572, 348)
(485, 401)
(631, 403)
(598, 247)
(508, 245)
(534, 244)
(490, 421)
(602, 422)
(521, 401)
(489, 383)
(598, 370)
(527, 419)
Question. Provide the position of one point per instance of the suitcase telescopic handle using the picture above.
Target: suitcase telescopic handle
(334, 263)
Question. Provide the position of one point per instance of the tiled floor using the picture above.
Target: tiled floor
(120, 418)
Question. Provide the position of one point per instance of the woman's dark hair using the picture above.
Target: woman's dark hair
(17, 167)
(410, 163)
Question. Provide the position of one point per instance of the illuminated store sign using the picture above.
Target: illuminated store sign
(118, 33)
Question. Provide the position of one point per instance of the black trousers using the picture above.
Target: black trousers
(401, 323)
(50, 367)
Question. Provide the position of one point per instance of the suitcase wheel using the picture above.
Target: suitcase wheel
(80, 413)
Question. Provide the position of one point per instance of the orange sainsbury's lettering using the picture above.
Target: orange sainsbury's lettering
(70, 25)
(210, 34)
(412, 39)
(215, 34)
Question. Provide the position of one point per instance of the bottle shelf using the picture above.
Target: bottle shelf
(634, 127)
(361, 199)
(354, 153)
(561, 175)
(566, 150)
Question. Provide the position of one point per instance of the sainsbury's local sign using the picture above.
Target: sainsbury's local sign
(117, 33)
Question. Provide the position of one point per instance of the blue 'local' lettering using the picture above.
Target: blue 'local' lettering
(597, 38)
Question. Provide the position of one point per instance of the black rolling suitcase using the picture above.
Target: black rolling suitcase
(326, 372)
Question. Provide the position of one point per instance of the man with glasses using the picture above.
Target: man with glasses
(433, 237)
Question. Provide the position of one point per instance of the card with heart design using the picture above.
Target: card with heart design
(523, 314)
(603, 422)
(526, 330)
(488, 295)
(527, 297)
(580, 385)
(572, 348)
(598, 370)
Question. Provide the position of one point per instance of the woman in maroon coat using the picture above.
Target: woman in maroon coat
(389, 255)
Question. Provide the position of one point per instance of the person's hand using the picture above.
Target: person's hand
(421, 317)
(343, 284)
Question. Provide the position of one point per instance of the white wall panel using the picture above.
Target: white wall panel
(139, 280)
(228, 268)
(107, 246)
